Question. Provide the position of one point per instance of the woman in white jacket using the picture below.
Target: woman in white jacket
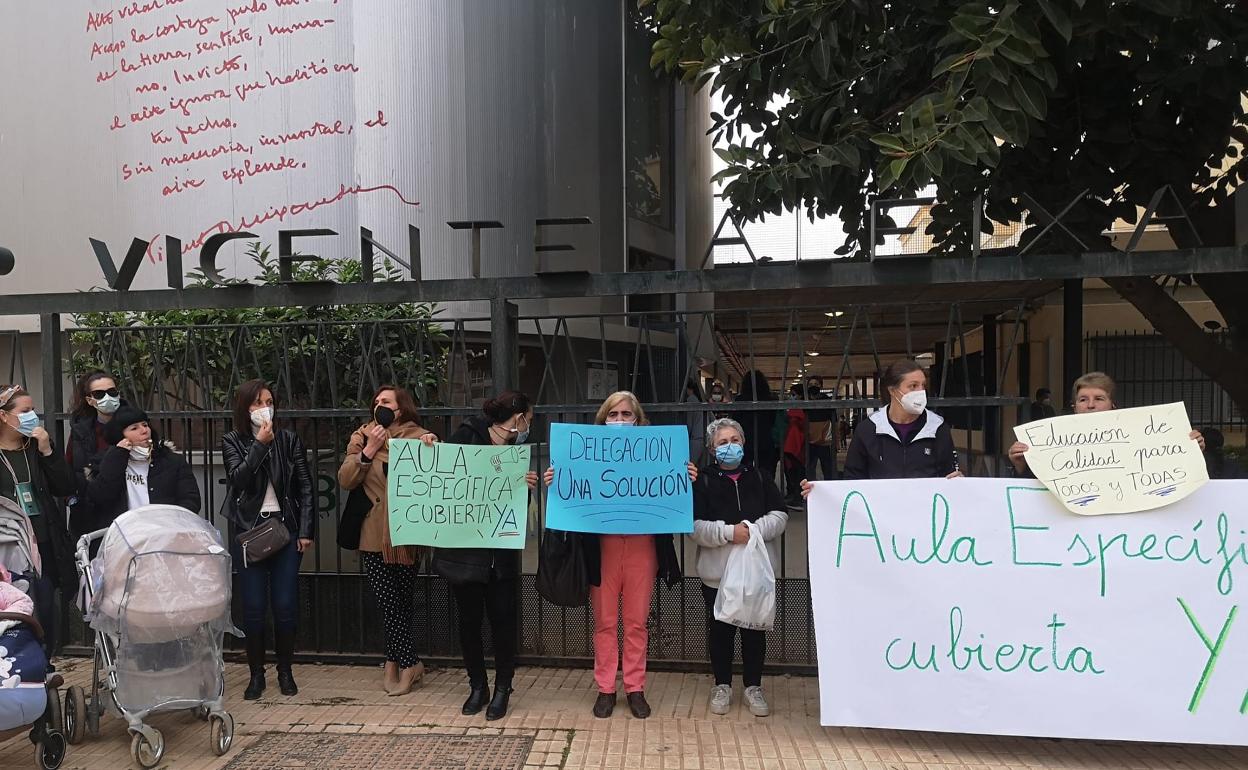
(729, 497)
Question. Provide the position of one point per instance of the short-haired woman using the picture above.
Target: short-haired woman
(1093, 392)
(267, 472)
(391, 569)
(622, 569)
(730, 497)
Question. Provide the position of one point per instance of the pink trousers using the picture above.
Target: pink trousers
(629, 567)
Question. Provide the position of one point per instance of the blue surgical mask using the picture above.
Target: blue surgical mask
(27, 422)
(522, 437)
(729, 455)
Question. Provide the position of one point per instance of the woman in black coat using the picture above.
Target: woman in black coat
(96, 399)
(485, 581)
(32, 475)
(137, 470)
(267, 471)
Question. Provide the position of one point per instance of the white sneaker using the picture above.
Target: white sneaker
(721, 699)
(757, 703)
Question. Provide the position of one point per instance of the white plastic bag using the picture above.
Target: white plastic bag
(747, 591)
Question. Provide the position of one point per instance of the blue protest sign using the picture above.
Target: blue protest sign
(620, 480)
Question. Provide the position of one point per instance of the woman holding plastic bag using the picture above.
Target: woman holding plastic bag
(738, 518)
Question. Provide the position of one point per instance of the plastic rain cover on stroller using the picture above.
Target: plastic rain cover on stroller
(18, 552)
(163, 594)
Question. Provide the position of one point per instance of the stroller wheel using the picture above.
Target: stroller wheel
(145, 753)
(222, 733)
(50, 752)
(75, 720)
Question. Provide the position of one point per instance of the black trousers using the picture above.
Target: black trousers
(498, 600)
(721, 639)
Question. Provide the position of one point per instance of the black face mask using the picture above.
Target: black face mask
(384, 416)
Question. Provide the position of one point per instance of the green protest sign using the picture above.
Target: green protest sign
(457, 495)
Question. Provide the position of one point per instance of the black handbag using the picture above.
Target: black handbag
(351, 523)
(562, 578)
(459, 571)
(260, 542)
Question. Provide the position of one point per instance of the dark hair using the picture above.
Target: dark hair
(504, 405)
(16, 394)
(1043, 393)
(692, 385)
(408, 410)
(895, 373)
(798, 390)
(124, 418)
(755, 388)
(78, 406)
(244, 397)
(815, 378)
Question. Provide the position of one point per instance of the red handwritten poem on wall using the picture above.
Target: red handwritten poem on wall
(245, 103)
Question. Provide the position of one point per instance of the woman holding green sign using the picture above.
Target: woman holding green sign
(391, 569)
(621, 571)
(485, 581)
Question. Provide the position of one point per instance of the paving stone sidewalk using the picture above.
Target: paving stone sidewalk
(552, 707)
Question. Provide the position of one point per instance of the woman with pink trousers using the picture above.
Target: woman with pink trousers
(622, 569)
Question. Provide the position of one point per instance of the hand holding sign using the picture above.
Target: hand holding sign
(1118, 461)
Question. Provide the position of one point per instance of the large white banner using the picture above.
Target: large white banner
(983, 606)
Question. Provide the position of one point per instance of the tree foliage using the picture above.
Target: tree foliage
(829, 102)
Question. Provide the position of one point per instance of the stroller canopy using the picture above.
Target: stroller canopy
(161, 572)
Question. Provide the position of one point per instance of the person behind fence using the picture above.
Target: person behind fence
(32, 475)
(138, 469)
(821, 432)
(391, 570)
(96, 399)
(793, 446)
(267, 472)
(729, 497)
(761, 448)
(486, 581)
(621, 571)
(1093, 392)
(904, 440)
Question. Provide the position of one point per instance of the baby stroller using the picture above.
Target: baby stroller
(29, 698)
(157, 596)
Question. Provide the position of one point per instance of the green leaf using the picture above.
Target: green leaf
(822, 58)
(1030, 96)
(888, 142)
(954, 61)
(724, 154)
(1057, 17)
(1017, 52)
(1001, 98)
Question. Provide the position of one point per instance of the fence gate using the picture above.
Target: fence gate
(324, 374)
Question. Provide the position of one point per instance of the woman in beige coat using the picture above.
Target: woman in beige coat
(391, 569)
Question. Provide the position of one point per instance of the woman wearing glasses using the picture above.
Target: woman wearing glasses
(32, 474)
(96, 399)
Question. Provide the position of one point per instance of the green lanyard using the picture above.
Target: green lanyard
(23, 491)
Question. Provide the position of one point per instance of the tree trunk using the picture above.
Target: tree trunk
(1225, 366)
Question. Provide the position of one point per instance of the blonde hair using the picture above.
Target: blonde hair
(615, 398)
(1099, 380)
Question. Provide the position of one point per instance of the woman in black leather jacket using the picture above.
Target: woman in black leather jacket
(267, 472)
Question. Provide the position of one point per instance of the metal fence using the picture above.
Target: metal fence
(324, 374)
(1148, 369)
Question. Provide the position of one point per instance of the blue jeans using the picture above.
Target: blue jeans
(276, 577)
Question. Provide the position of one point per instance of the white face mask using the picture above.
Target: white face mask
(621, 422)
(140, 453)
(108, 404)
(262, 415)
(914, 402)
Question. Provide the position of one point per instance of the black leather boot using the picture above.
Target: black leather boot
(498, 706)
(285, 643)
(255, 662)
(477, 698)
